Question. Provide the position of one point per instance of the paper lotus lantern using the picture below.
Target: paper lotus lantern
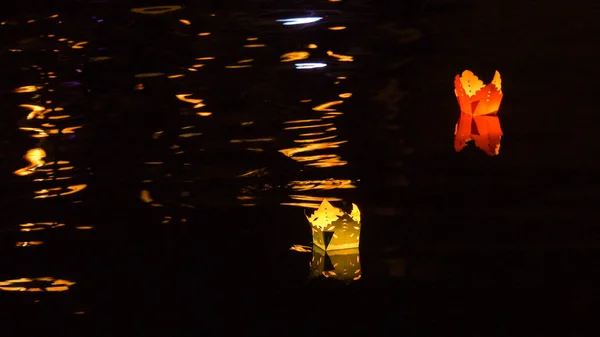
(342, 265)
(334, 229)
(479, 106)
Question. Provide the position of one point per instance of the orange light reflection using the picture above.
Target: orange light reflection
(35, 157)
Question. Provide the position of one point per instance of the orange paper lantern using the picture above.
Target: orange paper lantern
(479, 106)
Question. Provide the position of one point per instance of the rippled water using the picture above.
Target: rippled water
(174, 151)
(159, 164)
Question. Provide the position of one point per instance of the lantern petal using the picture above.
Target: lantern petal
(470, 82)
(463, 99)
(497, 81)
(488, 99)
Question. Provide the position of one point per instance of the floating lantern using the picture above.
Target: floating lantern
(479, 106)
(342, 265)
(334, 229)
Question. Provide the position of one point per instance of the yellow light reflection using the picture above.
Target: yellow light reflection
(251, 140)
(41, 132)
(175, 76)
(346, 95)
(84, 227)
(314, 139)
(148, 75)
(312, 46)
(27, 88)
(28, 243)
(185, 22)
(312, 134)
(70, 129)
(204, 34)
(36, 110)
(59, 117)
(253, 173)
(79, 45)
(145, 196)
(294, 56)
(183, 97)
(326, 184)
(312, 147)
(238, 66)
(318, 200)
(254, 45)
(57, 191)
(39, 226)
(154, 10)
(302, 121)
(301, 248)
(307, 126)
(191, 134)
(36, 284)
(35, 157)
(327, 106)
(341, 58)
(300, 204)
(205, 58)
(324, 160)
(337, 28)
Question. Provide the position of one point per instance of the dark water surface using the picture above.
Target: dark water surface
(157, 167)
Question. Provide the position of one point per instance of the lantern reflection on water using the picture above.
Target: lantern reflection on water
(479, 106)
(334, 229)
(154, 10)
(342, 265)
(40, 284)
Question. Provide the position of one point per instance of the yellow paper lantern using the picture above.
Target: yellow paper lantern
(334, 229)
